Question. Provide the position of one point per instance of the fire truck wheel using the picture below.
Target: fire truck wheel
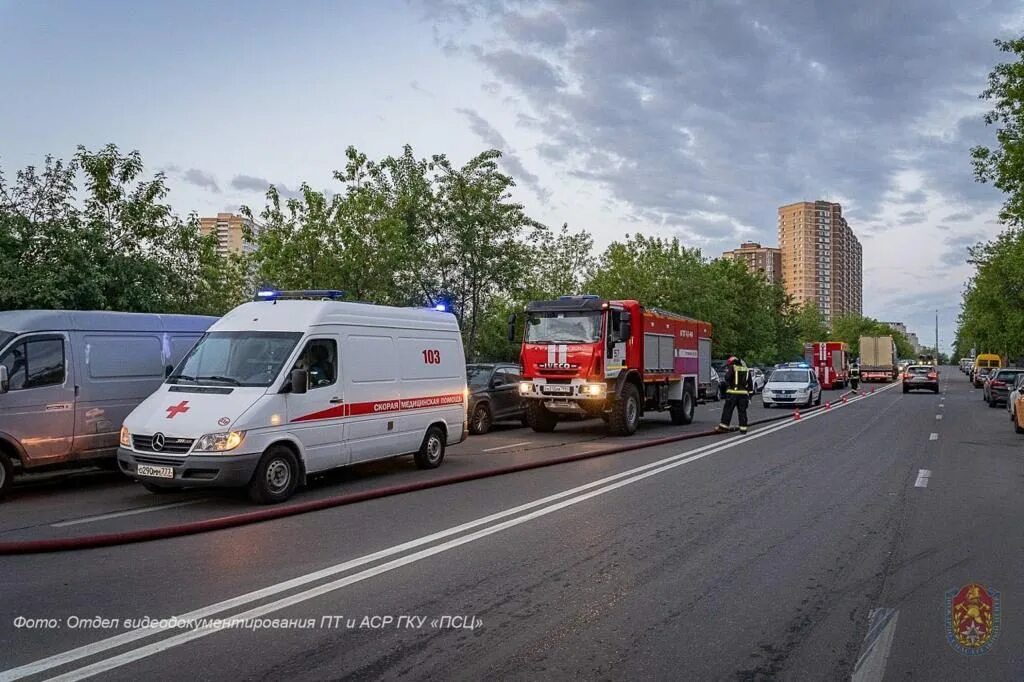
(625, 416)
(481, 421)
(682, 411)
(538, 417)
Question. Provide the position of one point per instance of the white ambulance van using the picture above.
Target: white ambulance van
(295, 383)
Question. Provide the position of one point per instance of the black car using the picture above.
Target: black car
(493, 395)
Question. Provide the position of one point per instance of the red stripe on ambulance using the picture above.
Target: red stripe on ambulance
(382, 407)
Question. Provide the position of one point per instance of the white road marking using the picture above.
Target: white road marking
(506, 447)
(942, 404)
(938, 416)
(629, 476)
(934, 436)
(128, 512)
(870, 665)
(922, 478)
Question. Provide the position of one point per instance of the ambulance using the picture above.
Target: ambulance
(295, 383)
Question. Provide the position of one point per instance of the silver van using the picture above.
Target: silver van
(69, 378)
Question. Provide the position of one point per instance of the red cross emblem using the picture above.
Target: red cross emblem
(175, 410)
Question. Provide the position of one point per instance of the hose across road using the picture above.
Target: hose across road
(279, 512)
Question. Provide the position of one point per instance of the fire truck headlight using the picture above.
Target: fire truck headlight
(594, 390)
(525, 387)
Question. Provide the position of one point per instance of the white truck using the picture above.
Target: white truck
(878, 361)
(299, 382)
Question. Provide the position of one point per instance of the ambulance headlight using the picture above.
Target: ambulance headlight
(220, 442)
(525, 387)
(126, 438)
(593, 390)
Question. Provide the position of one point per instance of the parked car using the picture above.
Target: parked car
(918, 377)
(69, 378)
(493, 395)
(758, 378)
(1016, 394)
(979, 376)
(999, 385)
(792, 386)
(717, 384)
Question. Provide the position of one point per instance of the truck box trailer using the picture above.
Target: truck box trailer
(878, 360)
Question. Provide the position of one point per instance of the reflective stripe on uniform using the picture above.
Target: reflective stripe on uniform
(739, 387)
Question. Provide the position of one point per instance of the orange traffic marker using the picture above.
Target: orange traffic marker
(872, 389)
(828, 405)
(796, 414)
(844, 398)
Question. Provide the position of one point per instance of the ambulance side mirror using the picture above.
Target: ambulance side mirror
(512, 327)
(299, 380)
(4, 379)
(625, 326)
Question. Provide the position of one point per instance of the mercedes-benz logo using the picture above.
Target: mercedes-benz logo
(158, 442)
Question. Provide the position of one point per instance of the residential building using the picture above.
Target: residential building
(764, 259)
(915, 342)
(230, 231)
(822, 259)
(897, 326)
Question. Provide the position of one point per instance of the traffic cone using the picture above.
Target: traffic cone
(796, 415)
(828, 405)
(872, 389)
(844, 398)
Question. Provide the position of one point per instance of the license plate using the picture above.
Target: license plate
(155, 472)
(558, 389)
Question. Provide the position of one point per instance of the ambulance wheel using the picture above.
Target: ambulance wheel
(682, 411)
(276, 476)
(539, 418)
(6, 474)
(625, 412)
(431, 452)
(481, 421)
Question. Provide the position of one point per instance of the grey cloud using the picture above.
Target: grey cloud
(546, 29)
(913, 217)
(251, 183)
(199, 178)
(956, 248)
(758, 104)
(526, 71)
(509, 159)
(959, 217)
(917, 196)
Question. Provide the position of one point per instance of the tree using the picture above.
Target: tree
(810, 323)
(849, 328)
(1004, 165)
(118, 248)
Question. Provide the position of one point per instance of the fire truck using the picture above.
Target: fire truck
(583, 356)
(831, 361)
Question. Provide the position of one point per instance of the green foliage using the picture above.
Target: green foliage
(118, 247)
(992, 311)
(849, 329)
(1004, 166)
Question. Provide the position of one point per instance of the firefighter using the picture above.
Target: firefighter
(854, 376)
(739, 387)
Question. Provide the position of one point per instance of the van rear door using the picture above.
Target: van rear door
(39, 408)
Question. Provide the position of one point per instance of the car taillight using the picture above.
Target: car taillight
(933, 375)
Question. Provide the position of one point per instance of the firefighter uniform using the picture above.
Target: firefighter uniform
(739, 387)
(854, 376)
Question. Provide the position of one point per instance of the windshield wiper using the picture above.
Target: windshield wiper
(226, 380)
(180, 376)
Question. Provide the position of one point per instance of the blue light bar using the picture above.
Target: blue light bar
(308, 294)
(441, 308)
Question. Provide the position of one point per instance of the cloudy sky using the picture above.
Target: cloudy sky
(694, 119)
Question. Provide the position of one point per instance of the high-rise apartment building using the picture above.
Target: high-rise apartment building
(229, 229)
(822, 260)
(763, 259)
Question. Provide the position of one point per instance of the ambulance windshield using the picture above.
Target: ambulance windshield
(564, 327)
(236, 359)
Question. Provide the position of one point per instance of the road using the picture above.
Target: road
(756, 557)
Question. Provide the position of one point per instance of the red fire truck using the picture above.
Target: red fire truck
(831, 360)
(585, 356)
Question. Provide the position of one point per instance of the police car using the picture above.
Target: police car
(792, 383)
(295, 383)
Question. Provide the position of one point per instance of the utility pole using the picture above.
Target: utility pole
(936, 338)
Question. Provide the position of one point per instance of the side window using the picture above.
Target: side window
(614, 324)
(504, 376)
(34, 364)
(511, 375)
(320, 359)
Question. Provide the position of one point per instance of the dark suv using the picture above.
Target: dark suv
(493, 395)
(998, 386)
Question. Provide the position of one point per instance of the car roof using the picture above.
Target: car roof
(22, 321)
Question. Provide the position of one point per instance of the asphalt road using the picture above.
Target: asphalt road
(757, 557)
